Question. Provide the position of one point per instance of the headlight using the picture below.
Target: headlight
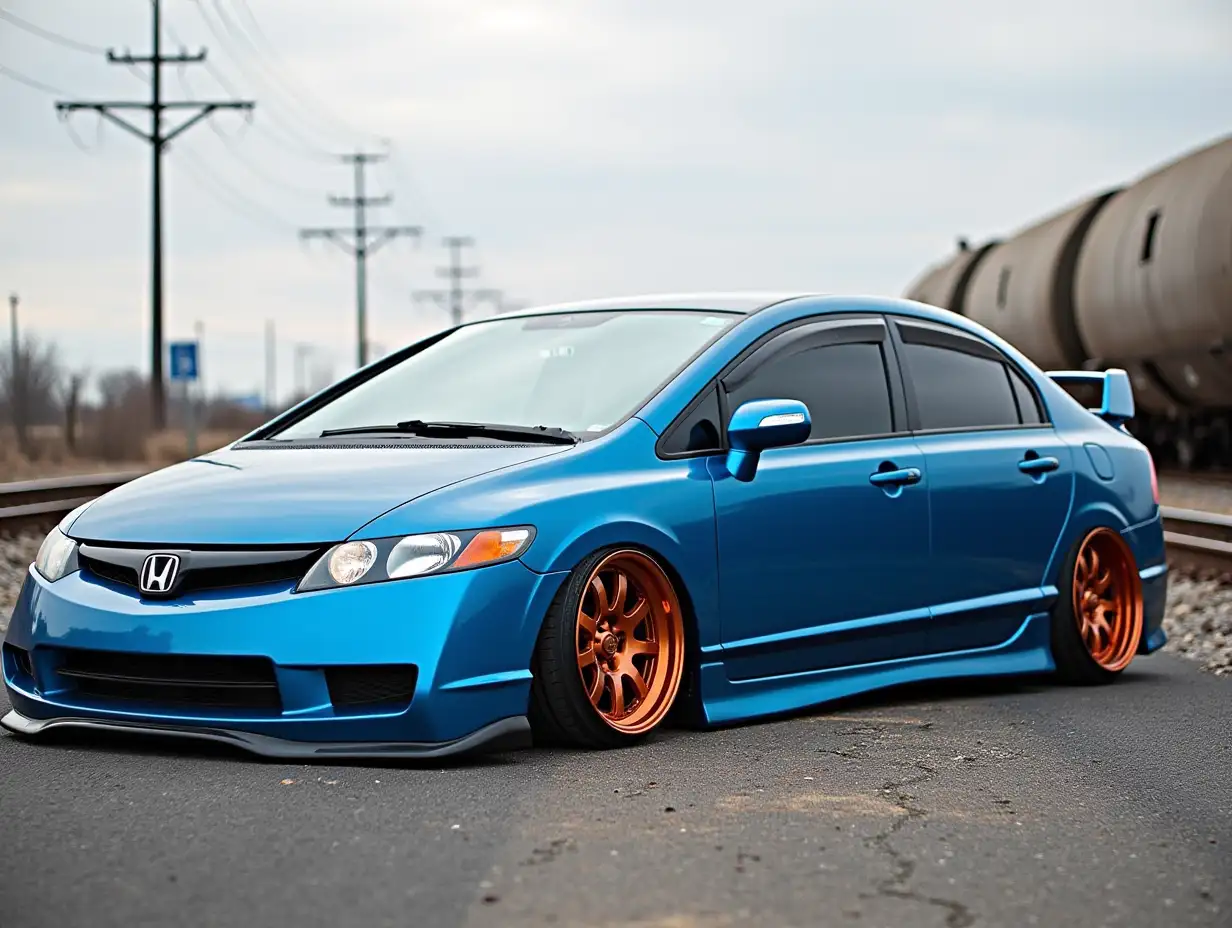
(57, 556)
(353, 563)
(348, 563)
(421, 554)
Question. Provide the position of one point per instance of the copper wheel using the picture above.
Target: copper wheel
(630, 642)
(1107, 599)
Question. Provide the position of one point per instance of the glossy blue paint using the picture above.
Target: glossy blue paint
(834, 568)
(432, 622)
(994, 527)
(1101, 463)
(810, 543)
(760, 425)
(1026, 651)
(282, 495)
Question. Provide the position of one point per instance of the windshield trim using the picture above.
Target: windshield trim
(270, 430)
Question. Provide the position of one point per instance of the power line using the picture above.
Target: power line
(158, 140)
(250, 61)
(361, 240)
(229, 197)
(294, 142)
(231, 143)
(399, 169)
(456, 296)
(268, 54)
(32, 82)
(49, 36)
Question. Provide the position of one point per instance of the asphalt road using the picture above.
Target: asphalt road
(970, 804)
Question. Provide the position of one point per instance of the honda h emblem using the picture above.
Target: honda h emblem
(158, 573)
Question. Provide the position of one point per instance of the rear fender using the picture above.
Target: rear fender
(1084, 517)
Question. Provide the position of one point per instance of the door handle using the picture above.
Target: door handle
(895, 478)
(1038, 465)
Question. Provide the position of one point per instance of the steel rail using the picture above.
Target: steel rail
(36, 503)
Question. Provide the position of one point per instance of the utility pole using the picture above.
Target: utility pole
(361, 240)
(13, 333)
(199, 332)
(17, 403)
(158, 141)
(302, 351)
(271, 358)
(190, 400)
(456, 296)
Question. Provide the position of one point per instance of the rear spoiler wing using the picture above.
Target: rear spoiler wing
(1117, 403)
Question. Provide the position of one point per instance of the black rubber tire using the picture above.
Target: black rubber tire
(1075, 665)
(560, 713)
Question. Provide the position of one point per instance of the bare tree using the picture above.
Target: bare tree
(29, 381)
(71, 400)
(122, 419)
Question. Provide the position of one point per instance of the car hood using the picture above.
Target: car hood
(284, 495)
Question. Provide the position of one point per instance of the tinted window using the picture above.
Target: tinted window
(1027, 405)
(956, 390)
(844, 387)
(697, 431)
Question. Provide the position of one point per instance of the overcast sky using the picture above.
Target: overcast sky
(591, 147)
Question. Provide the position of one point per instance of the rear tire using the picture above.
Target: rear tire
(609, 660)
(1097, 621)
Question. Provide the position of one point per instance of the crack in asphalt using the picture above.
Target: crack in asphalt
(958, 915)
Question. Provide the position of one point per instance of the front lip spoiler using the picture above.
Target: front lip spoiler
(503, 735)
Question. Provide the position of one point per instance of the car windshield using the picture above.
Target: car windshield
(582, 372)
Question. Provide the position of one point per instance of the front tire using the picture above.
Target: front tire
(610, 656)
(1097, 622)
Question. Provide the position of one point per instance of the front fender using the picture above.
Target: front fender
(614, 491)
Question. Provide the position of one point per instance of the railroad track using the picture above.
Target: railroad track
(1215, 477)
(1194, 538)
(30, 504)
(1198, 539)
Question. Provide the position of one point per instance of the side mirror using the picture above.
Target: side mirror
(763, 424)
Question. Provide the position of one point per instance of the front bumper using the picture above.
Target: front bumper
(468, 635)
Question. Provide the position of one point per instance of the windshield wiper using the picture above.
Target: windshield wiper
(537, 433)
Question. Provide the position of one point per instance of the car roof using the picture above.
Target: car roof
(738, 302)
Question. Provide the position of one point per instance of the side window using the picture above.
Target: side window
(1028, 407)
(698, 430)
(843, 385)
(954, 389)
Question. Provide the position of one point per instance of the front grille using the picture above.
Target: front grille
(171, 679)
(371, 684)
(204, 569)
(217, 578)
(116, 573)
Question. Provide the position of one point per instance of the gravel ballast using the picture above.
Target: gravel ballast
(1198, 620)
(16, 555)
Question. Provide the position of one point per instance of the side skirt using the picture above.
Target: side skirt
(724, 700)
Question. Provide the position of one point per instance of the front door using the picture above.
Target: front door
(823, 556)
(1000, 478)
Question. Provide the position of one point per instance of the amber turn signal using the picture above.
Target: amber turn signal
(493, 545)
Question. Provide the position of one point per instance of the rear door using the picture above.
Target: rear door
(823, 556)
(1000, 482)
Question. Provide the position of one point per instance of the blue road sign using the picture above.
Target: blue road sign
(183, 360)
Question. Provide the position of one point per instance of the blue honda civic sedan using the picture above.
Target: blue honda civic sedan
(580, 521)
